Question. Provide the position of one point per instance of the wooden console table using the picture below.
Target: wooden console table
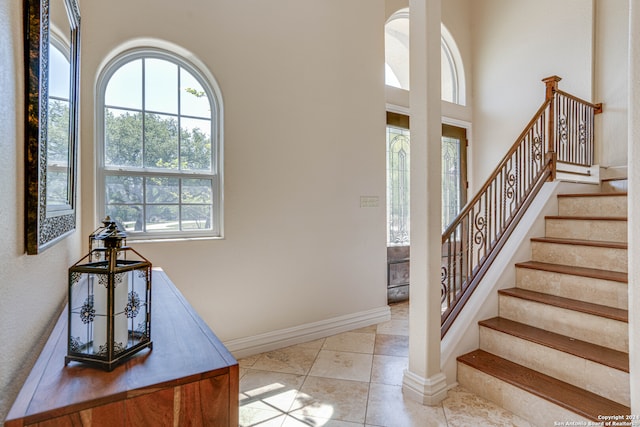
(189, 378)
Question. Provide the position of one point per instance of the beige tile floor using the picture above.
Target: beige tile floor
(352, 379)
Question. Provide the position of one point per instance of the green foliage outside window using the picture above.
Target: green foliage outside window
(138, 141)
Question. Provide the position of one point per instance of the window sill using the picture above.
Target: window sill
(172, 239)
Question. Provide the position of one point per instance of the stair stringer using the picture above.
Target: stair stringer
(464, 335)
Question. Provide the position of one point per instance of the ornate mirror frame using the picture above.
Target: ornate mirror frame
(49, 221)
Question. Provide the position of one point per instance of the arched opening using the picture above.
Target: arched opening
(397, 59)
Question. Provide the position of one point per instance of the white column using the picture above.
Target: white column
(424, 380)
(633, 160)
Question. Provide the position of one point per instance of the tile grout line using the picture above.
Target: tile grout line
(306, 376)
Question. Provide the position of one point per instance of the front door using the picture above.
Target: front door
(454, 172)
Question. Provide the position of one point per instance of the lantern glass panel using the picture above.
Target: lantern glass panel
(135, 307)
(85, 315)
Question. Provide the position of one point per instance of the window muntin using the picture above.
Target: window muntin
(160, 148)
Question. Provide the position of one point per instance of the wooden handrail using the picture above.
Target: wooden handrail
(467, 207)
(596, 107)
(560, 131)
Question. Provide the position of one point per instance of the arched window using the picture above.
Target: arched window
(396, 48)
(159, 146)
(397, 59)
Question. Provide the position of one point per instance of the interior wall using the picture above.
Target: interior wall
(392, 6)
(304, 111)
(611, 85)
(515, 44)
(32, 288)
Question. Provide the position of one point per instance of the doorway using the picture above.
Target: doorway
(454, 172)
(398, 163)
(454, 194)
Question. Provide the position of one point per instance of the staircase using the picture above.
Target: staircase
(558, 351)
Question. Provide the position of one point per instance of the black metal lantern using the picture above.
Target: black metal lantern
(96, 239)
(109, 303)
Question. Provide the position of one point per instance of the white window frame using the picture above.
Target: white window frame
(212, 90)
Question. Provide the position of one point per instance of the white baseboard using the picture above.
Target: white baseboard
(244, 347)
(428, 391)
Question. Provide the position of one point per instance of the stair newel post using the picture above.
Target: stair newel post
(550, 95)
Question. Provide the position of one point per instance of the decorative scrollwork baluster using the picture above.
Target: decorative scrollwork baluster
(479, 223)
(444, 289)
(562, 131)
(511, 191)
(536, 148)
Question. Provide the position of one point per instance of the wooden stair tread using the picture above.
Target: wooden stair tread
(586, 350)
(580, 242)
(587, 218)
(569, 304)
(621, 193)
(576, 271)
(582, 402)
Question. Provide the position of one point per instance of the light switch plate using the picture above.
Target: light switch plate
(369, 201)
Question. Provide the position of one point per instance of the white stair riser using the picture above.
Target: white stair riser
(514, 399)
(613, 259)
(617, 186)
(586, 327)
(592, 206)
(602, 380)
(597, 230)
(587, 289)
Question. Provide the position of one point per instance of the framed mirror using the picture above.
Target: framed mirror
(52, 61)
